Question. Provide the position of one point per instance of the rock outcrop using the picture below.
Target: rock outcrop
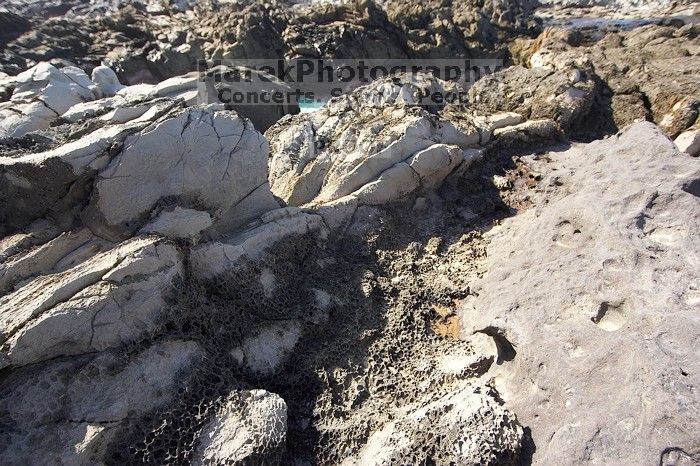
(212, 160)
(564, 95)
(150, 43)
(594, 293)
(41, 95)
(98, 303)
(410, 272)
(657, 82)
(68, 411)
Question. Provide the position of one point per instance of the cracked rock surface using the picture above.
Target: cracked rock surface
(382, 279)
(66, 411)
(101, 302)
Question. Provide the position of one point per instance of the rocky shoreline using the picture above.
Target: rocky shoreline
(508, 279)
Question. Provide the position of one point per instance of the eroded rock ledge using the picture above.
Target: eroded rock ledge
(373, 282)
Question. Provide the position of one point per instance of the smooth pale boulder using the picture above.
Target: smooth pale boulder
(689, 142)
(106, 79)
(179, 223)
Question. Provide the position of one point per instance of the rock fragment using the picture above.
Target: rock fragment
(250, 427)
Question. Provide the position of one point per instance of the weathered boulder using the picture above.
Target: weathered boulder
(179, 223)
(106, 79)
(465, 426)
(591, 298)
(564, 95)
(41, 94)
(103, 301)
(57, 255)
(201, 157)
(250, 428)
(68, 411)
(375, 144)
(347, 30)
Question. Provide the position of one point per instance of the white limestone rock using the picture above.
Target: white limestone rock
(355, 140)
(54, 256)
(689, 142)
(201, 156)
(109, 299)
(147, 158)
(67, 411)
(41, 95)
(376, 146)
(591, 297)
(37, 233)
(38, 184)
(106, 80)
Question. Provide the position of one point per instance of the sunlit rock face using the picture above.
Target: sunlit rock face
(381, 277)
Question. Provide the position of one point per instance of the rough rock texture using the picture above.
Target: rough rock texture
(443, 431)
(67, 411)
(213, 258)
(365, 29)
(379, 144)
(593, 296)
(440, 28)
(52, 180)
(386, 279)
(149, 43)
(370, 147)
(99, 303)
(251, 427)
(12, 26)
(564, 95)
(650, 72)
(146, 149)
